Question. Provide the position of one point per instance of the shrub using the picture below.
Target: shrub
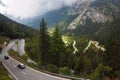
(100, 72)
(5, 78)
(24, 57)
(52, 68)
(65, 71)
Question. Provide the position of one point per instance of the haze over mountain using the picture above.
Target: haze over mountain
(80, 33)
(75, 18)
(30, 10)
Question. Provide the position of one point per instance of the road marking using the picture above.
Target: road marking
(24, 72)
(41, 72)
(10, 72)
(49, 75)
(14, 66)
(8, 61)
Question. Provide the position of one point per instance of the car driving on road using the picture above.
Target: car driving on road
(6, 57)
(21, 66)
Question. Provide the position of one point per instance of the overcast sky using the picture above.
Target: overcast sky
(31, 8)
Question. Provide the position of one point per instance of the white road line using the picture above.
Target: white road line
(14, 66)
(48, 74)
(24, 72)
(10, 72)
(41, 72)
(8, 61)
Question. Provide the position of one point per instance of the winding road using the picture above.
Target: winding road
(75, 49)
(96, 44)
(27, 73)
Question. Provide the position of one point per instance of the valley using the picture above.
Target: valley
(79, 40)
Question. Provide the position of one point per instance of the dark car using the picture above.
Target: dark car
(6, 57)
(0, 49)
(21, 66)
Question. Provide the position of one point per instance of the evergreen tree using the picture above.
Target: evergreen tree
(44, 43)
(58, 49)
(112, 55)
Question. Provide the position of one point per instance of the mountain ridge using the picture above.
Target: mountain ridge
(12, 29)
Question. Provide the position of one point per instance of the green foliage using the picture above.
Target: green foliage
(58, 49)
(87, 66)
(111, 57)
(64, 71)
(99, 72)
(24, 57)
(4, 75)
(52, 68)
(90, 64)
(32, 49)
(44, 44)
(12, 53)
(14, 30)
(5, 78)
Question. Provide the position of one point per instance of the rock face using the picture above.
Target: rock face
(97, 11)
(92, 17)
(83, 18)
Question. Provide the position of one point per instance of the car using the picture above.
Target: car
(21, 66)
(6, 57)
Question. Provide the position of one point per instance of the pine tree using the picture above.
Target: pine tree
(58, 49)
(112, 55)
(44, 43)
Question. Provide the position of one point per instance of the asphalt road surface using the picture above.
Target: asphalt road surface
(27, 73)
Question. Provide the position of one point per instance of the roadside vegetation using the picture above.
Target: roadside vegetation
(4, 75)
(54, 54)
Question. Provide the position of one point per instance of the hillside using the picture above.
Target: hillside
(13, 29)
(90, 19)
(109, 32)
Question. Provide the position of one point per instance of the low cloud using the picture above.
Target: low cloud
(2, 4)
(32, 8)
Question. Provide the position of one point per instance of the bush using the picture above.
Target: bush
(11, 52)
(5, 78)
(65, 71)
(100, 72)
(52, 68)
(24, 57)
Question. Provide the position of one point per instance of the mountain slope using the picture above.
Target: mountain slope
(109, 32)
(98, 14)
(13, 29)
(86, 19)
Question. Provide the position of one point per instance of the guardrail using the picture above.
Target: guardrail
(64, 76)
(54, 74)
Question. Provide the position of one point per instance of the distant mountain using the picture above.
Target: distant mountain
(52, 18)
(109, 32)
(87, 19)
(13, 29)
(82, 17)
(92, 16)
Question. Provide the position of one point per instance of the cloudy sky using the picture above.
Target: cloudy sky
(31, 8)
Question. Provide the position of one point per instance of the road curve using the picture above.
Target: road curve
(75, 49)
(27, 73)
